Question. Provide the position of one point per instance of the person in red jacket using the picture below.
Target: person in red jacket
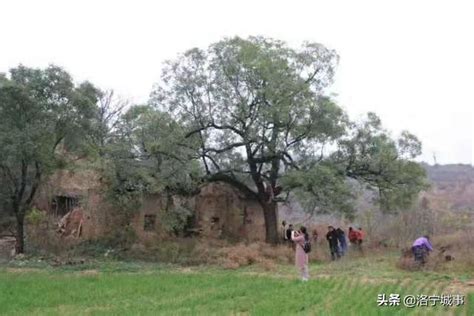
(355, 238)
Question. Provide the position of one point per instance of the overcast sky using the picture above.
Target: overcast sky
(411, 62)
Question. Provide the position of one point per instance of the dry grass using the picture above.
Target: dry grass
(235, 256)
(213, 252)
(457, 246)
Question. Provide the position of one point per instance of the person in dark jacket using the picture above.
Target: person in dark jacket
(331, 237)
(341, 237)
(288, 235)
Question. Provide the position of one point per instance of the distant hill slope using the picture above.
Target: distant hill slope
(452, 186)
(450, 173)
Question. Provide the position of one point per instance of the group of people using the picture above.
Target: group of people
(336, 237)
(337, 240)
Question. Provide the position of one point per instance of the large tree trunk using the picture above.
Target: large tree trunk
(20, 236)
(270, 215)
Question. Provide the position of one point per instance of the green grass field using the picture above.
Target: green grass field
(343, 288)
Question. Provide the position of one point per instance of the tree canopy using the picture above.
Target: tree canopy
(148, 157)
(259, 112)
(39, 110)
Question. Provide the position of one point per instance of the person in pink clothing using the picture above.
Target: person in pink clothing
(301, 257)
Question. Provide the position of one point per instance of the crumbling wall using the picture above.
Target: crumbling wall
(220, 211)
(7, 247)
(152, 206)
(223, 212)
(84, 185)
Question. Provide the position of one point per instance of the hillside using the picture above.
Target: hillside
(452, 186)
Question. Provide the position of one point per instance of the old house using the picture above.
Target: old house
(222, 211)
(77, 199)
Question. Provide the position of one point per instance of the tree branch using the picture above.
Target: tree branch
(224, 177)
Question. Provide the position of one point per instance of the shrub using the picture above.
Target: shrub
(35, 217)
